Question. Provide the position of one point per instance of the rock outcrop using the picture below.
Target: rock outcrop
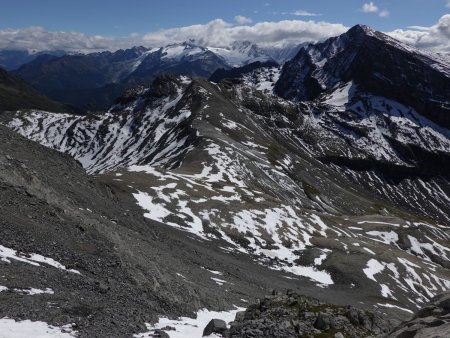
(291, 315)
(432, 321)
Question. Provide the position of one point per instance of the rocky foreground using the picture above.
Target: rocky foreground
(291, 315)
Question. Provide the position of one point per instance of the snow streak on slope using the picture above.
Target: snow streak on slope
(180, 201)
(8, 255)
(281, 235)
(123, 136)
(370, 123)
(263, 79)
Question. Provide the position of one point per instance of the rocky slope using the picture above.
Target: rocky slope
(226, 162)
(240, 72)
(75, 249)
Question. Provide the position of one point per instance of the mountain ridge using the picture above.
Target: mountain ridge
(356, 55)
(94, 80)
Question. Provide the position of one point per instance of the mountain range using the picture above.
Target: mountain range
(12, 59)
(93, 81)
(218, 174)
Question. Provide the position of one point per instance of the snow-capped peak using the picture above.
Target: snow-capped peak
(180, 50)
(240, 53)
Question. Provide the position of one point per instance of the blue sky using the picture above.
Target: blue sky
(95, 25)
(120, 18)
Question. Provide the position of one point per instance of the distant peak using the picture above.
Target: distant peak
(361, 29)
(244, 43)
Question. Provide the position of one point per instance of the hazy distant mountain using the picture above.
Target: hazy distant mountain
(13, 59)
(283, 54)
(16, 94)
(94, 80)
(241, 53)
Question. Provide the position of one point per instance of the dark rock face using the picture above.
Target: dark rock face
(238, 72)
(432, 321)
(292, 315)
(378, 64)
(217, 326)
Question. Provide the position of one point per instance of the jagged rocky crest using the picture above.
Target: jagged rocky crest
(375, 62)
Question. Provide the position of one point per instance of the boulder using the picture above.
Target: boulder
(215, 326)
(160, 334)
(432, 321)
(322, 322)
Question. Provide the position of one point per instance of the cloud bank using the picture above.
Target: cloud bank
(216, 33)
(435, 38)
(220, 33)
(39, 39)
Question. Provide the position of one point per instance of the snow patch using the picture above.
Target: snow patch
(7, 254)
(186, 327)
(9, 328)
(373, 267)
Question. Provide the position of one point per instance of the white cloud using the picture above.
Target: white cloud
(38, 38)
(305, 13)
(384, 13)
(435, 38)
(419, 28)
(369, 8)
(220, 33)
(242, 19)
(214, 33)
